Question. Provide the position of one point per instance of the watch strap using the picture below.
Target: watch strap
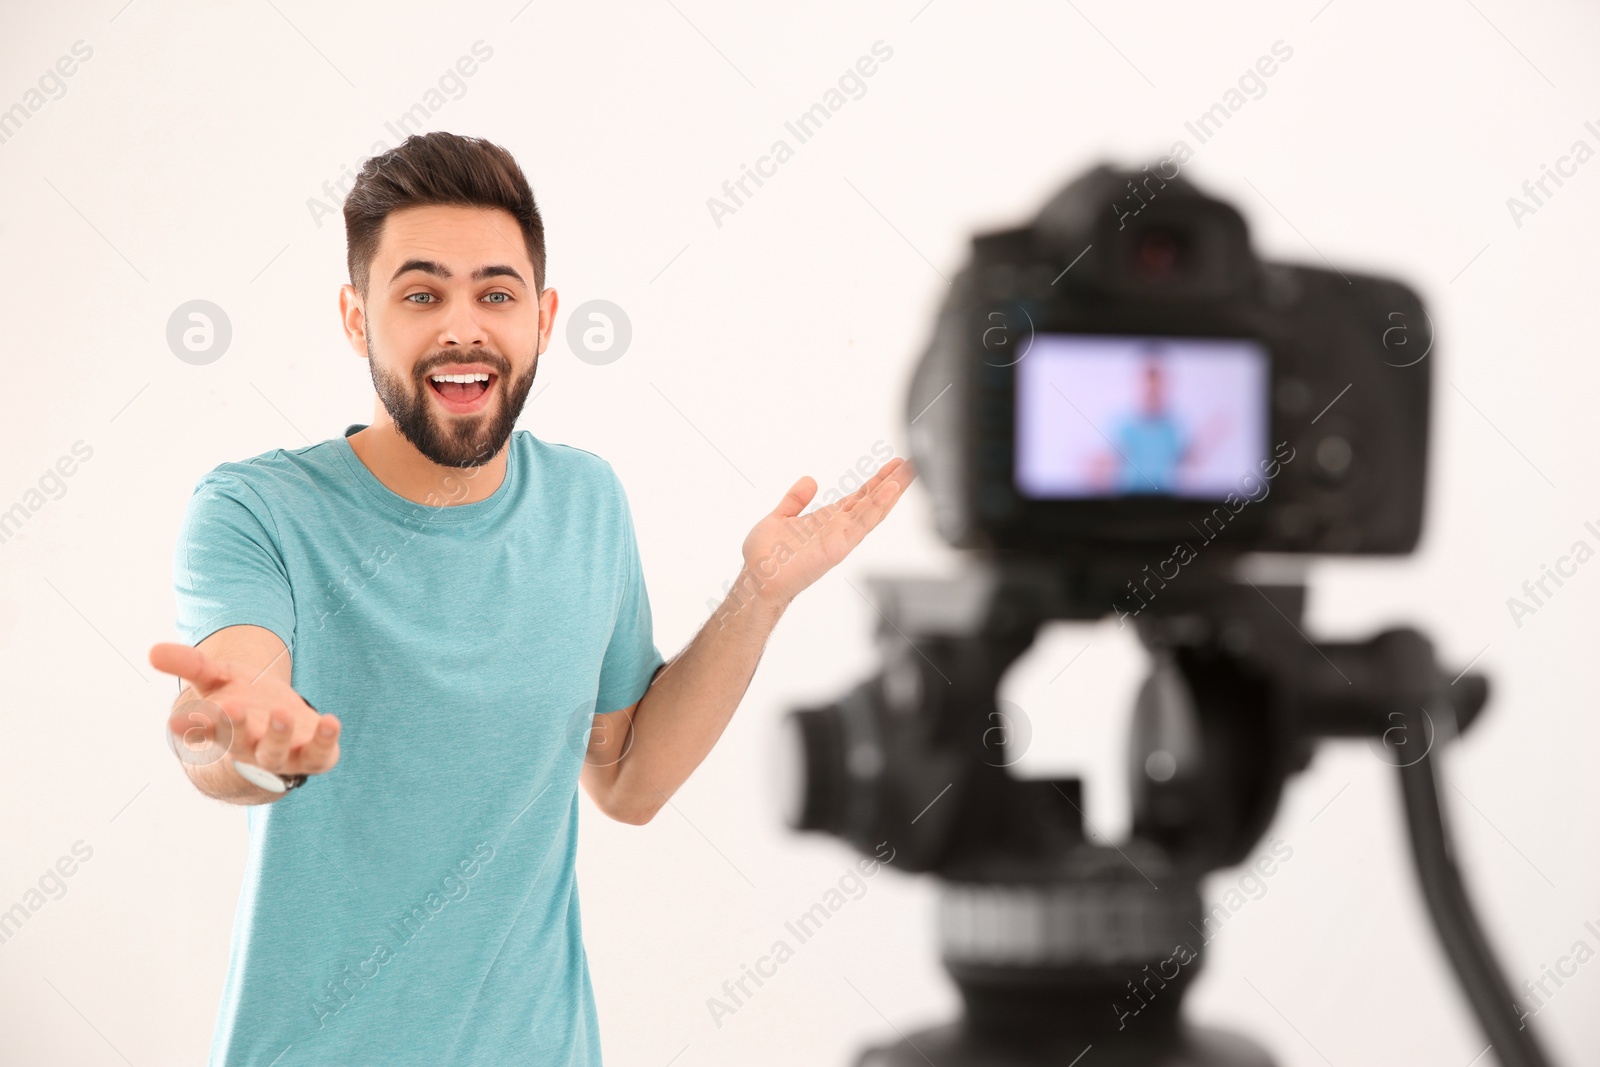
(268, 780)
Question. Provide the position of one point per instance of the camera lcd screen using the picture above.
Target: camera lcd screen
(1101, 416)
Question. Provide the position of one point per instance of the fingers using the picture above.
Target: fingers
(866, 491)
(247, 721)
(248, 710)
(272, 751)
(798, 496)
(882, 489)
(870, 512)
(322, 751)
(868, 504)
(191, 665)
(283, 750)
(827, 511)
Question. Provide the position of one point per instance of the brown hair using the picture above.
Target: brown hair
(436, 168)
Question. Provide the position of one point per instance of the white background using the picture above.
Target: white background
(178, 166)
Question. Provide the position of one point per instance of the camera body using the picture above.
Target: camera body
(1125, 375)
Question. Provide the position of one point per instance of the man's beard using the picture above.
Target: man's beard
(472, 440)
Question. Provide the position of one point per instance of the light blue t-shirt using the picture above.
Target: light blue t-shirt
(1151, 447)
(418, 903)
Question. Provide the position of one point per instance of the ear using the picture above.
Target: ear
(549, 300)
(353, 317)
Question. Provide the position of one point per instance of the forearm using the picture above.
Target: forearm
(692, 700)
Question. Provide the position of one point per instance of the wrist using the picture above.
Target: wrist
(276, 783)
(234, 784)
(759, 594)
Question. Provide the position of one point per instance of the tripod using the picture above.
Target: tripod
(1057, 943)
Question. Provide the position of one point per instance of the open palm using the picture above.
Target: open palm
(787, 551)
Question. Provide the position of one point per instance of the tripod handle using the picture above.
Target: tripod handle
(1367, 688)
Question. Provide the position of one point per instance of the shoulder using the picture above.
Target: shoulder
(570, 464)
(585, 485)
(272, 477)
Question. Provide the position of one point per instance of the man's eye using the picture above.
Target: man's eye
(429, 298)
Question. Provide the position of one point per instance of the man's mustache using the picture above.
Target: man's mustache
(501, 366)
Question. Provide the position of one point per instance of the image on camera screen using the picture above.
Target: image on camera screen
(1111, 416)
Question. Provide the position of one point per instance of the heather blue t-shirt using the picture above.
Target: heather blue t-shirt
(418, 904)
(1151, 445)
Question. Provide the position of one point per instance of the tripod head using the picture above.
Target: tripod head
(1236, 700)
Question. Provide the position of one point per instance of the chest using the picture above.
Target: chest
(454, 641)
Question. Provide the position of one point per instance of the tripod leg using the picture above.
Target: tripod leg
(1453, 918)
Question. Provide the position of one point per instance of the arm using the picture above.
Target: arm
(237, 686)
(639, 756)
(1200, 444)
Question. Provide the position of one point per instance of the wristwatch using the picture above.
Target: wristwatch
(265, 779)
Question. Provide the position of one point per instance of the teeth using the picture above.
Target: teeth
(479, 377)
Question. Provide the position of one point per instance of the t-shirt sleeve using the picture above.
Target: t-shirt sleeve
(631, 659)
(228, 567)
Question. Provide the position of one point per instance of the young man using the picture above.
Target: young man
(411, 644)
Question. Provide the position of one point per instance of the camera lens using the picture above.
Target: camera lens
(809, 764)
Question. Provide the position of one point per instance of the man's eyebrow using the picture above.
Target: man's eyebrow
(439, 270)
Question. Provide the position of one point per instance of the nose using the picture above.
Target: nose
(461, 328)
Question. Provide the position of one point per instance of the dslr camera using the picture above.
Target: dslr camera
(1125, 375)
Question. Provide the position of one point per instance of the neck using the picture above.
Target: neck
(404, 470)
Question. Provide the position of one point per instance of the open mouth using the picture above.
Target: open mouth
(462, 393)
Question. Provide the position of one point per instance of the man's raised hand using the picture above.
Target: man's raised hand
(245, 712)
(787, 551)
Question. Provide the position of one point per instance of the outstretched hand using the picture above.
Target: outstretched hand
(787, 551)
(245, 713)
